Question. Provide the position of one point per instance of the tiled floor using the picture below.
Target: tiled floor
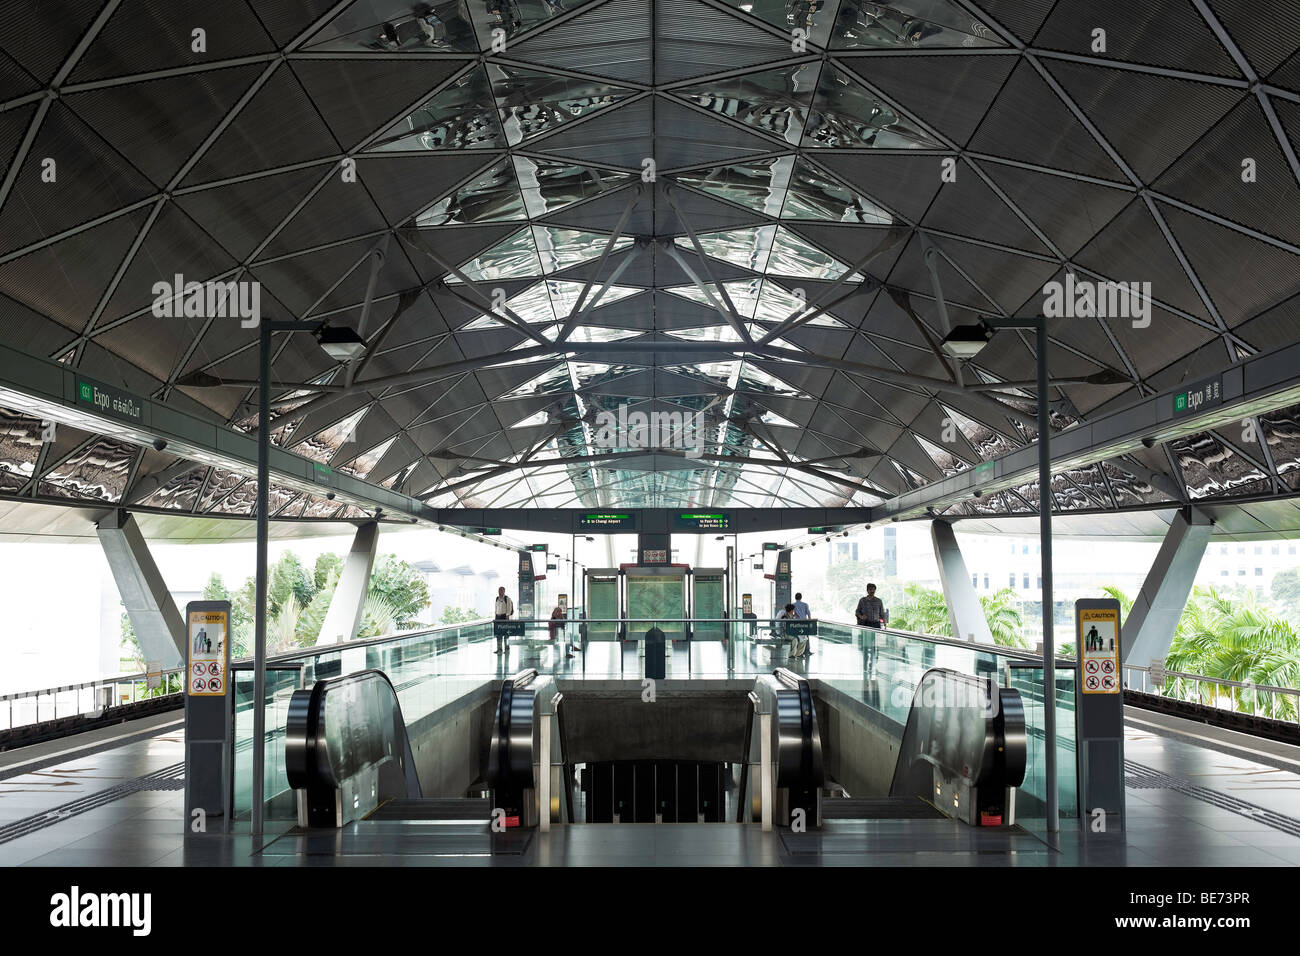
(145, 828)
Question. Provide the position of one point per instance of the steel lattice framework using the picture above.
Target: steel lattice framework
(760, 217)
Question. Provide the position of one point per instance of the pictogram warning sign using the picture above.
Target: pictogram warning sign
(208, 632)
(1099, 649)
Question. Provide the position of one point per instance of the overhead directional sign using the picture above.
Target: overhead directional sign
(109, 401)
(826, 529)
(701, 521)
(771, 546)
(608, 521)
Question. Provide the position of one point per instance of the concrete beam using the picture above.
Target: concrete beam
(343, 619)
(1154, 618)
(154, 616)
(964, 609)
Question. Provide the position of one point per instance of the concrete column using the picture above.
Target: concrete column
(154, 616)
(343, 618)
(964, 609)
(1151, 624)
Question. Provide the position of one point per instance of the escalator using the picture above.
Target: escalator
(349, 756)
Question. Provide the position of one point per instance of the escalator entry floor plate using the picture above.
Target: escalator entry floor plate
(879, 808)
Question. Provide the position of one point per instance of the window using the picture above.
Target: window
(1026, 582)
(1223, 549)
(1040, 582)
(1290, 549)
(974, 580)
(1223, 574)
(1241, 549)
(1259, 549)
(986, 582)
(1025, 549)
(1013, 579)
(1277, 549)
(1241, 572)
(1259, 572)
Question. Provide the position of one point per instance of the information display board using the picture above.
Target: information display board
(710, 601)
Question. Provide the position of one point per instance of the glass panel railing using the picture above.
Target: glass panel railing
(1027, 677)
(282, 679)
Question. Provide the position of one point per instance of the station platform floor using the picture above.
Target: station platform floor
(114, 798)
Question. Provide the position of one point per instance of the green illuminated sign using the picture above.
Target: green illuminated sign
(608, 521)
(771, 546)
(702, 521)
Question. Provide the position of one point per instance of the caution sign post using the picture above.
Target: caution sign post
(208, 716)
(1099, 716)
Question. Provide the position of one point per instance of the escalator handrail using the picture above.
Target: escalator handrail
(306, 754)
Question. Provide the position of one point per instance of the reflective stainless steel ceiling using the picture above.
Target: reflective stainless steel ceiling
(535, 275)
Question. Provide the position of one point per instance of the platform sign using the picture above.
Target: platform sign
(771, 546)
(208, 632)
(507, 628)
(1199, 396)
(1099, 650)
(538, 547)
(1099, 716)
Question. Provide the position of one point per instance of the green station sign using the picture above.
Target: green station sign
(771, 546)
(484, 531)
(538, 547)
(608, 521)
(112, 402)
(1202, 395)
(701, 521)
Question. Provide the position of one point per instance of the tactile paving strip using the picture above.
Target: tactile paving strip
(1145, 778)
(168, 778)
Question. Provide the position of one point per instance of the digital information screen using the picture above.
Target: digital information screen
(607, 521)
(701, 521)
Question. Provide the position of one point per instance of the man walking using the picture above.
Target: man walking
(503, 608)
(871, 610)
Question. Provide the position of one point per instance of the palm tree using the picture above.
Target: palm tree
(1004, 618)
(923, 610)
(1238, 641)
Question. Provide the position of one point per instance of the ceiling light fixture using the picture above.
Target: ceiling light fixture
(966, 341)
(342, 344)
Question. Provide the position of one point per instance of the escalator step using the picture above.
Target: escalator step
(879, 808)
(434, 808)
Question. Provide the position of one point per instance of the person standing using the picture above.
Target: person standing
(502, 611)
(801, 610)
(871, 611)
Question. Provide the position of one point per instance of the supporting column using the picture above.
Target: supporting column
(1154, 618)
(343, 619)
(154, 616)
(965, 612)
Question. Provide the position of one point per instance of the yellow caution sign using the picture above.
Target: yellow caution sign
(1099, 650)
(208, 633)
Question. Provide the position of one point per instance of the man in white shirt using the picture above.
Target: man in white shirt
(502, 610)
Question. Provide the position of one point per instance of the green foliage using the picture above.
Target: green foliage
(1125, 602)
(1235, 639)
(458, 615)
(1002, 612)
(288, 579)
(923, 610)
(378, 615)
(402, 587)
(328, 567)
(282, 629)
(313, 616)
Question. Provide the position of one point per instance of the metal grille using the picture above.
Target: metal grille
(1145, 778)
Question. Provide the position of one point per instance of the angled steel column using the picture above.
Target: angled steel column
(1049, 607)
(964, 609)
(154, 615)
(1154, 618)
(344, 615)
